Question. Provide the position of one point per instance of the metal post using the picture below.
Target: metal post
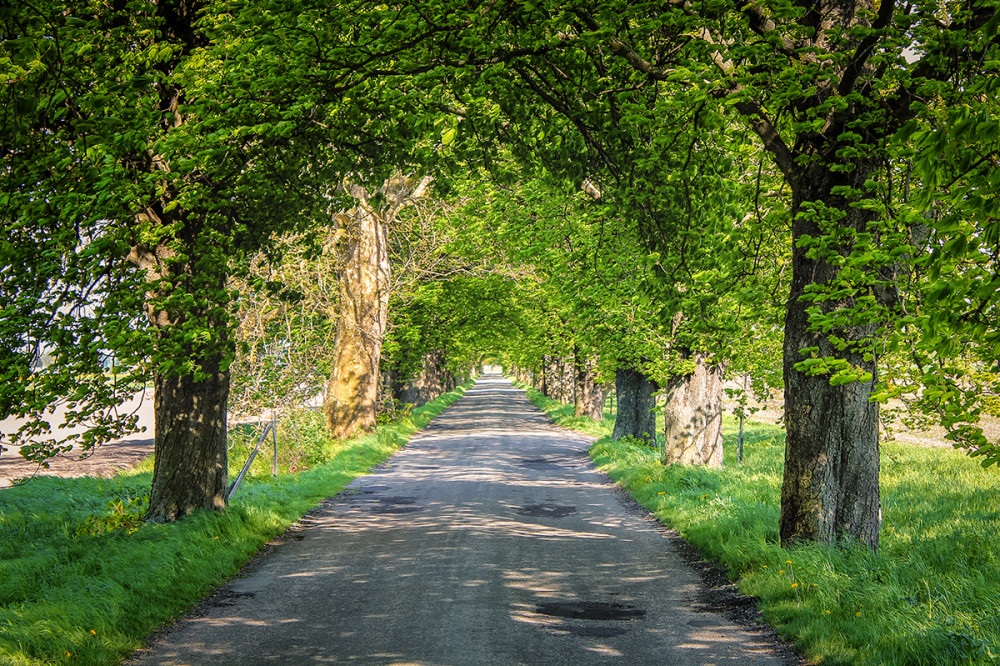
(274, 441)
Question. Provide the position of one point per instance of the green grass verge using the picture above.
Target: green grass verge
(84, 581)
(931, 595)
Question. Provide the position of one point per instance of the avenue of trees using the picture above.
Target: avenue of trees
(254, 203)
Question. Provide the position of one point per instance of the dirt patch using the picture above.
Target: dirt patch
(104, 461)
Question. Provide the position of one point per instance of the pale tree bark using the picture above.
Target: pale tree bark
(551, 373)
(692, 421)
(588, 394)
(636, 405)
(567, 381)
(352, 392)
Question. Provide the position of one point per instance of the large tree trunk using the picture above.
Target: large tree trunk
(588, 394)
(830, 491)
(352, 392)
(362, 313)
(636, 404)
(552, 372)
(190, 469)
(693, 416)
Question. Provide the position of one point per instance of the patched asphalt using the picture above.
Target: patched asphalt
(489, 539)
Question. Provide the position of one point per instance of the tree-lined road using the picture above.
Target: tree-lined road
(489, 539)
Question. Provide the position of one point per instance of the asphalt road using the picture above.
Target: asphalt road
(489, 539)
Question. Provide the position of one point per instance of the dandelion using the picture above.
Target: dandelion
(662, 492)
(858, 613)
(765, 566)
(827, 612)
(68, 654)
(788, 561)
(93, 632)
(781, 571)
(795, 584)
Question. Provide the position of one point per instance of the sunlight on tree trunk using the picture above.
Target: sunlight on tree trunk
(588, 395)
(361, 318)
(190, 470)
(362, 313)
(693, 416)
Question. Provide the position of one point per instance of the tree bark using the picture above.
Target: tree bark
(431, 382)
(567, 380)
(552, 373)
(190, 469)
(352, 392)
(362, 312)
(693, 416)
(830, 491)
(588, 394)
(636, 405)
(538, 379)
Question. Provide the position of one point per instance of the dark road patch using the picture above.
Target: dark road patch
(539, 463)
(546, 510)
(590, 610)
(585, 631)
(396, 504)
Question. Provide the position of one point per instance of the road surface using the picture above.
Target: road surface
(489, 539)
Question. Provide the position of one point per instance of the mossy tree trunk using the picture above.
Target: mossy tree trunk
(830, 491)
(636, 404)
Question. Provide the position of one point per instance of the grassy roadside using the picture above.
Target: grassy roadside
(84, 581)
(931, 595)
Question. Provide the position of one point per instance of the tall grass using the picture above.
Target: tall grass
(84, 581)
(930, 595)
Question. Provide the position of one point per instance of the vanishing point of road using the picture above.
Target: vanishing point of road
(489, 539)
